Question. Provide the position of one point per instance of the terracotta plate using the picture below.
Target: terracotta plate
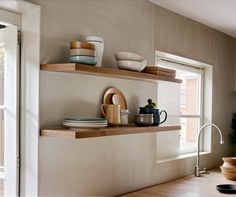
(81, 45)
(111, 95)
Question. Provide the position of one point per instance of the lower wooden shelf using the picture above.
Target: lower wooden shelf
(101, 132)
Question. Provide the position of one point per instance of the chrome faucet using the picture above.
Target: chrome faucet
(198, 171)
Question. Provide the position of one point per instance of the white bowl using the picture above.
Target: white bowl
(131, 65)
(128, 56)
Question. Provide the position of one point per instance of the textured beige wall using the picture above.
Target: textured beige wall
(113, 165)
(181, 36)
(124, 25)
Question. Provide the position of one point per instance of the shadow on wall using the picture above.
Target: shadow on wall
(73, 107)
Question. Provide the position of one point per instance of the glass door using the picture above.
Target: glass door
(2, 58)
(9, 111)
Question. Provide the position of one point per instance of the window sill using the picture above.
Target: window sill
(184, 156)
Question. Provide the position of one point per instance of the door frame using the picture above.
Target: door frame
(29, 91)
(9, 36)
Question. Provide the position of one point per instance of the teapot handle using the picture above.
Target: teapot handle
(165, 116)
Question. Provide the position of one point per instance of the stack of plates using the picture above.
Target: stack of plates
(85, 122)
(82, 53)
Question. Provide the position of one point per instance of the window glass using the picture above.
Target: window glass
(1, 139)
(2, 57)
(190, 108)
(1, 187)
(190, 96)
(188, 134)
(189, 92)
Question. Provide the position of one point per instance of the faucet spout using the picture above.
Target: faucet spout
(198, 171)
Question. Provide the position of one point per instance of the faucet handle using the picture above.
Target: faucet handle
(203, 171)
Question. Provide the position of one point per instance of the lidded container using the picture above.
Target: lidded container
(124, 115)
(99, 47)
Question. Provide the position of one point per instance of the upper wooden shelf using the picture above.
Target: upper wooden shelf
(107, 72)
(108, 131)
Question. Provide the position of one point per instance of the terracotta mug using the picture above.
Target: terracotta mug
(111, 113)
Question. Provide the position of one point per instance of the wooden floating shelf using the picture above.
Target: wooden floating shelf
(101, 132)
(107, 72)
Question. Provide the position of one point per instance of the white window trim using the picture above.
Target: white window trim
(206, 94)
(179, 157)
(30, 61)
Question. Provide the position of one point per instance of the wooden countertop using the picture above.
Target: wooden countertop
(190, 186)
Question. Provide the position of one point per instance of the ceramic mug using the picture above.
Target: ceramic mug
(111, 113)
(156, 114)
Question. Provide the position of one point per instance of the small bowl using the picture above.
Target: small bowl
(131, 65)
(81, 45)
(83, 60)
(128, 56)
(143, 119)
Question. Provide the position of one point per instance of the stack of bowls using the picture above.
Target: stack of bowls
(130, 61)
(229, 168)
(82, 53)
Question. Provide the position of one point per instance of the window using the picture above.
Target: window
(9, 111)
(2, 57)
(196, 82)
(190, 106)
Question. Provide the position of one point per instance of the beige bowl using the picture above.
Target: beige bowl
(143, 119)
(131, 65)
(84, 52)
(128, 56)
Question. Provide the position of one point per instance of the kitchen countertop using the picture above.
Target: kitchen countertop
(190, 186)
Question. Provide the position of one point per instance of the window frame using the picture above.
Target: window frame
(205, 116)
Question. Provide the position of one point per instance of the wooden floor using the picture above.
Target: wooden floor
(191, 186)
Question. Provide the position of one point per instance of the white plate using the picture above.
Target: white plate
(75, 125)
(86, 52)
(86, 122)
(85, 119)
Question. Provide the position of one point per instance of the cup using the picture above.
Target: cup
(111, 113)
(99, 47)
(156, 114)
